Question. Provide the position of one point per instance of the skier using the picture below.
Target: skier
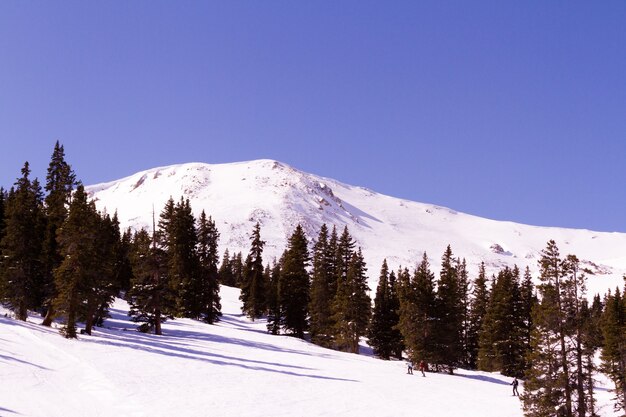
(515, 383)
(422, 367)
(409, 369)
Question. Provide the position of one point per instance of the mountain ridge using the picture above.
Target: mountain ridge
(278, 196)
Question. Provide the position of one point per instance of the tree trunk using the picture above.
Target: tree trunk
(47, 320)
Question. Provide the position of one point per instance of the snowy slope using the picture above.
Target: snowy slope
(233, 368)
(278, 196)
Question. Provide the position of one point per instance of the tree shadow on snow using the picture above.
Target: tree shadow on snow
(6, 358)
(175, 347)
(484, 378)
(2, 409)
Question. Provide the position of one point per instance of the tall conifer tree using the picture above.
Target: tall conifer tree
(294, 285)
(208, 236)
(21, 272)
(253, 288)
(60, 182)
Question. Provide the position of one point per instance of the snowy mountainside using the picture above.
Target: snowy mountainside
(278, 196)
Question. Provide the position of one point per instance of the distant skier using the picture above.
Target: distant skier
(422, 367)
(409, 369)
(515, 383)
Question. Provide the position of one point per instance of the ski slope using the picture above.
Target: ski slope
(233, 368)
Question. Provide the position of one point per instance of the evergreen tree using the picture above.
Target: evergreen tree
(21, 273)
(208, 236)
(274, 314)
(75, 279)
(614, 349)
(464, 301)
(352, 304)
(478, 310)
(60, 182)
(3, 197)
(383, 333)
(102, 285)
(501, 337)
(294, 285)
(150, 297)
(226, 276)
(557, 379)
(448, 332)
(253, 288)
(417, 320)
(236, 266)
(322, 283)
(183, 264)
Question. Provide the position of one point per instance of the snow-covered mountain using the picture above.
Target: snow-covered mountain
(237, 195)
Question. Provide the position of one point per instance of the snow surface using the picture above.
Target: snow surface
(278, 196)
(234, 368)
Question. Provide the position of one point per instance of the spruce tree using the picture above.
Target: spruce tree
(417, 321)
(3, 197)
(150, 297)
(501, 336)
(294, 285)
(614, 349)
(253, 288)
(448, 332)
(383, 334)
(478, 310)
(322, 282)
(208, 236)
(60, 181)
(274, 311)
(557, 379)
(226, 276)
(183, 264)
(21, 272)
(352, 304)
(464, 305)
(75, 279)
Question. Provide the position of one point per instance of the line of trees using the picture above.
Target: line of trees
(61, 257)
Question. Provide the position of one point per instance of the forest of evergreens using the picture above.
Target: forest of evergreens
(63, 259)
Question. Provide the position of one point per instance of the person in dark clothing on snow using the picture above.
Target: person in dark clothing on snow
(422, 367)
(409, 369)
(515, 383)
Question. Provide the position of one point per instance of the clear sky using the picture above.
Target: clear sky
(505, 109)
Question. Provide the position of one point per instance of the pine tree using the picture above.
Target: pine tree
(3, 197)
(478, 310)
(208, 236)
(464, 305)
(226, 276)
(294, 285)
(557, 379)
(253, 288)
(273, 301)
(383, 334)
(60, 182)
(417, 321)
(75, 278)
(614, 349)
(236, 266)
(449, 328)
(21, 273)
(352, 304)
(501, 337)
(183, 264)
(150, 297)
(323, 281)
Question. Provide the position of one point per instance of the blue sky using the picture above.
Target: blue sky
(507, 110)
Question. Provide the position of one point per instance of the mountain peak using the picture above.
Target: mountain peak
(278, 197)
